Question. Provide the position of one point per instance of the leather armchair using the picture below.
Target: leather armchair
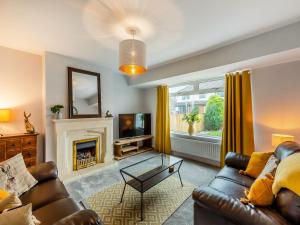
(51, 202)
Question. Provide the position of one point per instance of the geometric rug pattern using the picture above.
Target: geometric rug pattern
(160, 202)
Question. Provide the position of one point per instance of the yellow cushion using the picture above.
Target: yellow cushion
(3, 194)
(256, 163)
(260, 193)
(287, 174)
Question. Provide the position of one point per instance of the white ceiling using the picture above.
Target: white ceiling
(92, 29)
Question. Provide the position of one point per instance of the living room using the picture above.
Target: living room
(149, 112)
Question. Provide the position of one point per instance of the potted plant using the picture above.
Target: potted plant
(192, 118)
(56, 111)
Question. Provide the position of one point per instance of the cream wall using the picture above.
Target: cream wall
(276, 102)
(116, 95)
(21, 90)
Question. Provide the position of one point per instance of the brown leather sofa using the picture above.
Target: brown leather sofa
(51, 203)
(218, 203)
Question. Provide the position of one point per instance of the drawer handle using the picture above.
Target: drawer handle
(29, 143)
(13, 145)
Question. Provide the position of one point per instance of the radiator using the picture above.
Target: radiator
(197, 149)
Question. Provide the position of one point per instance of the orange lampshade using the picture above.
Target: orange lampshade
(4, 115)
(132, 69)
(277, 139)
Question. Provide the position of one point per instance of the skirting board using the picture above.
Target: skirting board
(196, 158)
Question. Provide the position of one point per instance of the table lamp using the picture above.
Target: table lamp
(277, 139)
(4, 116)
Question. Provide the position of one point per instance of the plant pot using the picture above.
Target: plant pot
(59, 115)
(191, 129)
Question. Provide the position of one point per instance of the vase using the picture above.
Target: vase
(59, 115)
(191, 129)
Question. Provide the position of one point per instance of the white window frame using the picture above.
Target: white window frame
(210, 139)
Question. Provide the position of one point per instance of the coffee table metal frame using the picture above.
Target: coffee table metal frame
(139, 184)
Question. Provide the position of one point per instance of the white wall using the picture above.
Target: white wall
(21, 90)
(276, 103)
(116, 96)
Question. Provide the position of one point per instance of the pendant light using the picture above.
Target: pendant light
(132, 55)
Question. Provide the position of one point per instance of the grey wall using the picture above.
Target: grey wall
(116, 95)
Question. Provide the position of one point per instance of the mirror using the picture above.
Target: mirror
(84, 93)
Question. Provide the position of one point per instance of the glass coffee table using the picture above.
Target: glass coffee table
(147, 173)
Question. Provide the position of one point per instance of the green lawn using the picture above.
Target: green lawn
(212, 133)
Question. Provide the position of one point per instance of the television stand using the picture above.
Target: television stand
(124, 148)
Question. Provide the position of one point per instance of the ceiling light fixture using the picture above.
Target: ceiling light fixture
(132, 55)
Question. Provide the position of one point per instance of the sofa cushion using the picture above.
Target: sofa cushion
(44, 193)
(228, 187)
(233, 174)
(257, 163)
(17, 216)
(14, 177)
(55, 211)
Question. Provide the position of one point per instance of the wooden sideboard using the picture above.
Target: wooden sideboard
(11, 145)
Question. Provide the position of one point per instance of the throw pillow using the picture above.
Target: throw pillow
(12, 201)
(3, 194)
(19, 216)
(270, 167)
(287, 174)
(14, 176)
(256, 164)
(260, 193)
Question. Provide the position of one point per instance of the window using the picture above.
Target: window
(204, 99)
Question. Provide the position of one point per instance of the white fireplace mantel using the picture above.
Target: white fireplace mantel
(69, 130)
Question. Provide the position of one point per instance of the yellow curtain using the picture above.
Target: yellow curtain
(162, 131)
(238, 121)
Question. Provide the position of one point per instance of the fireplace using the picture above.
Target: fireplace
(85, 153)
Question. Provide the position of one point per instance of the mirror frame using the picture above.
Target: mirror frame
(70, 93)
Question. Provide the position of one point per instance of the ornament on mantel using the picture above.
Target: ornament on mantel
(108, 114)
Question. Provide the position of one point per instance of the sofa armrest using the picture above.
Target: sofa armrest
(82, 217)
(44, 171)
(236, 160)
(232, 210)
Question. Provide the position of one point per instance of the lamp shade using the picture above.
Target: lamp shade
(132, 57)
(4, 115)
(277, 139)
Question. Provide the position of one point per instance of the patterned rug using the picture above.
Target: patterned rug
(160, 202)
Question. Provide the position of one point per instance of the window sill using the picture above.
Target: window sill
(199, 138)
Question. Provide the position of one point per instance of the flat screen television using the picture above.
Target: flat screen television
(137, 124)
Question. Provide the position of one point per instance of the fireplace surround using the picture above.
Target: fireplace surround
(83, 133)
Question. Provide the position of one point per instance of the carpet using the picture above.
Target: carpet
(160, 202)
